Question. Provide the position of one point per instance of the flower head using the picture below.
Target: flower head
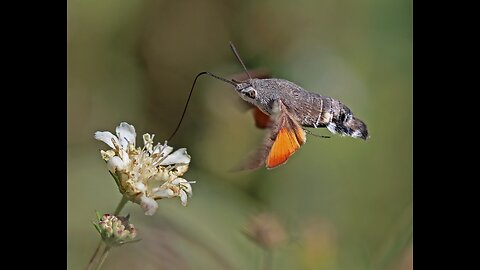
(115, 230)
(266, 230)
(146, 174)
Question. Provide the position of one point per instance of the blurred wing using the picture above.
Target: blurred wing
(261, 119)
(259, 73)
(284, 138)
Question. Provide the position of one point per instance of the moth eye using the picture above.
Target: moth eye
(251, 94)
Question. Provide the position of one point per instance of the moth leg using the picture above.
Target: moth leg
(316, 135)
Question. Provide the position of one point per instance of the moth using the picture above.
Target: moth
(285, 109)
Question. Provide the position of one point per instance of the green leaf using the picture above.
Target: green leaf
(97, 227)
(98, 215)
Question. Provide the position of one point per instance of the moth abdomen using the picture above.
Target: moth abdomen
(352, 127)
(335, 116)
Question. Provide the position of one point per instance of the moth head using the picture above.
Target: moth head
(255, 94)
(247, 92)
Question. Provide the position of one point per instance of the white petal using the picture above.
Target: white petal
(116, 163)
(126, 134)
(156, 148)
(183, 197)
(106, 137)
(164, 150)
(140, 186)
(164, 193)
(149, 205)
(179, 156)
(188, 188)
(184, 185)
(179, 181)
(126, 159)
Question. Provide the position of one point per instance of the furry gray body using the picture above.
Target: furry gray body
(308, 109)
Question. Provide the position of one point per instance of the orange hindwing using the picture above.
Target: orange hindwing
(285, 145)
(285, 136)
(288, 139)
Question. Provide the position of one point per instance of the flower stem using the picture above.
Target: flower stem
(102, 259)
(268, 259)
(119, 208)
(94, 254)
(120, 205)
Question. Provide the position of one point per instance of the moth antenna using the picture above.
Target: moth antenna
(316, 135)
(190, 95)
(239, 59)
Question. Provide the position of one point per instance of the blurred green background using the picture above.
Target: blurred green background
(346, 203)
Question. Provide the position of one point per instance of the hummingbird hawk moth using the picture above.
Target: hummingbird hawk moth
(285, 109)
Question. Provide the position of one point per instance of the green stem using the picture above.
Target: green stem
(102, 259)
(268, 259)
(94, 254)
(119, 208)
(120, 205)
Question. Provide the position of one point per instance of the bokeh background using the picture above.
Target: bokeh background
(345, 203)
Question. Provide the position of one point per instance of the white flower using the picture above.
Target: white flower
(146, 174)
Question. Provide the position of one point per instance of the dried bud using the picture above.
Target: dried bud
(115, 230)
